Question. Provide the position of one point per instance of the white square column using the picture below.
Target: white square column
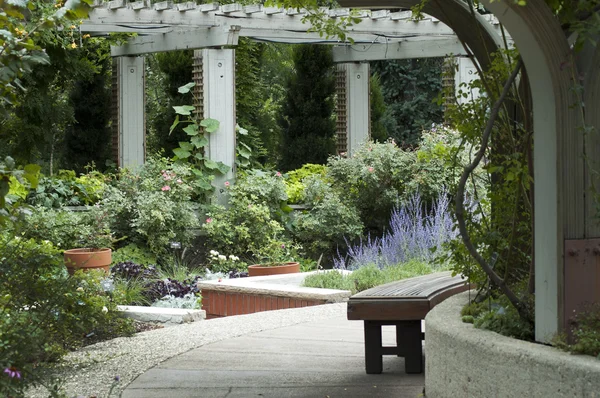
(129, 124)
(358, 105)
(218, 76)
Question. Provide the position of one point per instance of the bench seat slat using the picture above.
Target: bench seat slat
(408, 299)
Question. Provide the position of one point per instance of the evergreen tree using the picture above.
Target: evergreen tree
(307, 121)
(409, 88)
(378, 125)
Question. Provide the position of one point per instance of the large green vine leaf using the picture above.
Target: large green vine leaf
(185, 110)
(186, 89)
(181, 153)
(192, 129)
(199, 141)
(210, 125)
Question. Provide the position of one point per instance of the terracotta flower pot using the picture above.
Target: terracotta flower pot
(87, 259)
(283, 268)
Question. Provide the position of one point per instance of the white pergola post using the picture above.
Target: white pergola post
(219, 103)
(130, 129)
(358, 105)
(465, 73)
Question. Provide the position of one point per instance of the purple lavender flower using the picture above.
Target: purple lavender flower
(413, 233)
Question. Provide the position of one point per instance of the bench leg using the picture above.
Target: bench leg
(373, 354)
(408, 334)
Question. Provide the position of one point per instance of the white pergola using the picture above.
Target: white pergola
(167, 27)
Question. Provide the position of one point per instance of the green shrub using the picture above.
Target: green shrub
(261, 187)
(133, 253)
(373, 180)
(328, 222)
(585, 329)
(152, 207)
(497, 315)
(244, 227)
(66, 189)
(45, 312)
(255, 219)
(294, 186)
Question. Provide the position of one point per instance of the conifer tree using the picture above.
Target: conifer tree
(307, 113)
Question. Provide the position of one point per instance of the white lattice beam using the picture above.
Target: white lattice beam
(179, 40)
(264, 18)
(407, 49)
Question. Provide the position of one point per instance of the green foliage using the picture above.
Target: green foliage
(366, 277)
(152, 206)
(189, 301)
(585, 330)
(246, 226)
(68, 190)
(134, 253)
(262, 187)
(45, 312)
(409, 88)
(130, 292)
(294, 186)
(166, 72)
(379, 131)
(499, 316)
(499, 218)
(306, 116)
(21, 22)
(192, 153)
(62, 117)
(14, 180)
(328, 223)
(373, 180)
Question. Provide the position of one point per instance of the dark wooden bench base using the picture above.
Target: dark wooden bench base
(408, 345)
(403, 304)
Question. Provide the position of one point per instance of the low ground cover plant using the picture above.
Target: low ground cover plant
(367, 276)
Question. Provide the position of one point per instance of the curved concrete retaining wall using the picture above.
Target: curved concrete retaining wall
(462, 361)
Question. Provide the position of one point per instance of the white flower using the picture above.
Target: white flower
(233, 258)
(214, 252)
(222, 257)
(80, 289)
(104, 309)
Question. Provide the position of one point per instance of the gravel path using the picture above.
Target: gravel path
(91, 370)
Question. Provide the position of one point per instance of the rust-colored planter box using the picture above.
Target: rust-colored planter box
(262, 293)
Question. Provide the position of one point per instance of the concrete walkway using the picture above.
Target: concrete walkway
(323, 358)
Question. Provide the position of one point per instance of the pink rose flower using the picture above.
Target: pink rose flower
(278, 174)
(166, 188)
(371, 169)
(227, 183)
(208, 220)
(179, 181)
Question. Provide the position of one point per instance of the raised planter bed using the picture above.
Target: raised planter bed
(462, 361)
(263, 293)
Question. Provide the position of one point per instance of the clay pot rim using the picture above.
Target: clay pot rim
(87, 250)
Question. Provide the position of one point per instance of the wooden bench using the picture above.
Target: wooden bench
(404, 304)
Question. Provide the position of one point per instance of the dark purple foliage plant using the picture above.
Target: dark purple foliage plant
(414, 233)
